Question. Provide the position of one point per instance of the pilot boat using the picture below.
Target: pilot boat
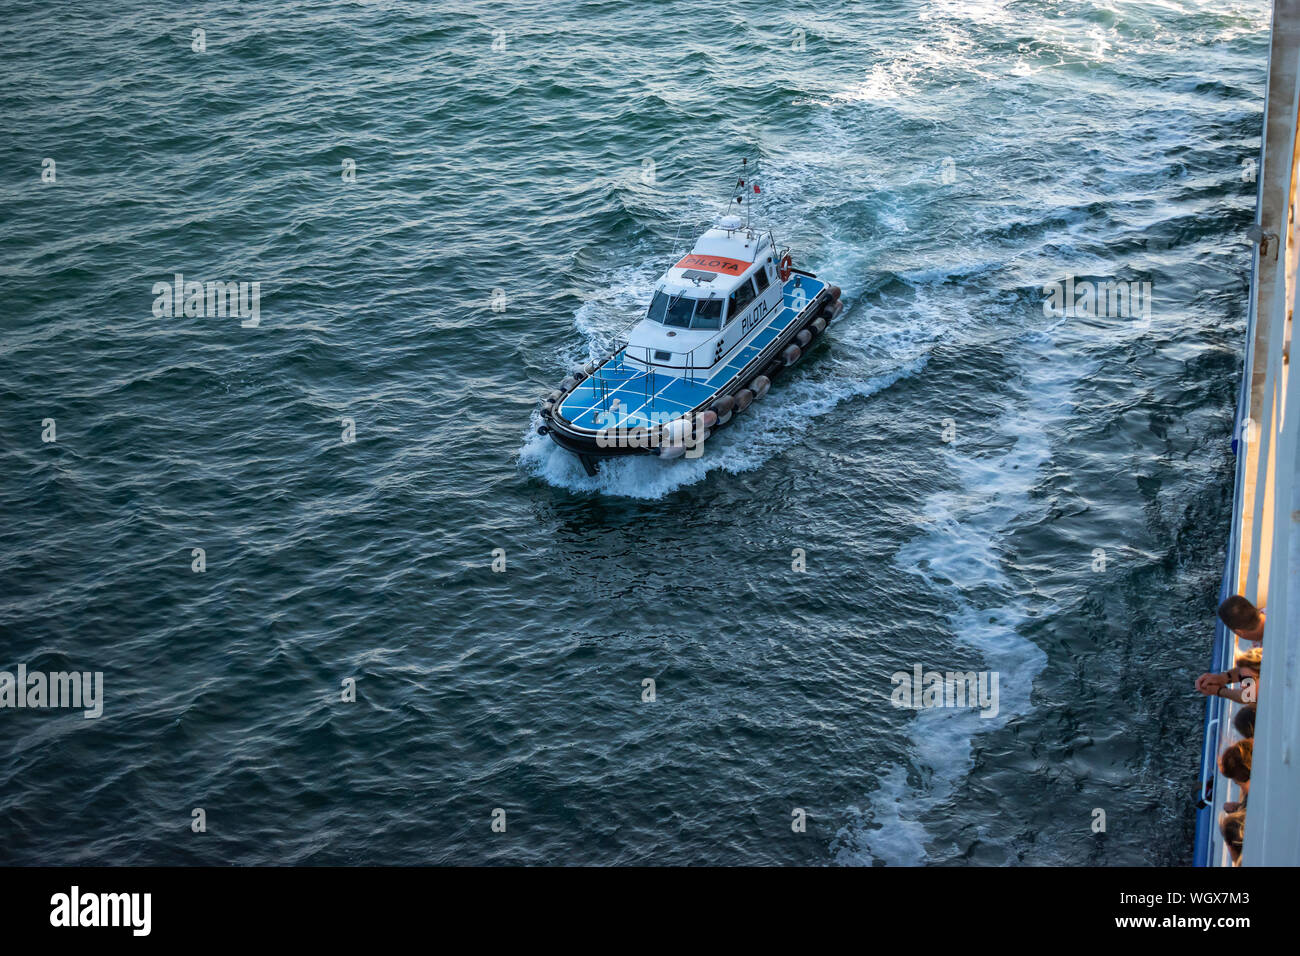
(725, 321)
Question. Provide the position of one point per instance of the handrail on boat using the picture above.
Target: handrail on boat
(1207, 837)
(1207, 829)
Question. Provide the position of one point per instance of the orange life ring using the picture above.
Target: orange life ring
(783, 270)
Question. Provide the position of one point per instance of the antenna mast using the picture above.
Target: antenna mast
(744, 166)
(747, 190)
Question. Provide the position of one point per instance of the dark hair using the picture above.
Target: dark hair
(1233, 828)
(1244, 721)
(1235, 761)
(1239, 614)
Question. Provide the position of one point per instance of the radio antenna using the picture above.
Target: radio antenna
(745, 189)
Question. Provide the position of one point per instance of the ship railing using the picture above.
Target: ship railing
(1264, 542)
(1213, 791)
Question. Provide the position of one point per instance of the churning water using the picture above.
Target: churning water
(449, 205)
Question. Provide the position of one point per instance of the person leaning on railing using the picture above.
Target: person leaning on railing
(1234, 763)
(1243, 722)
(1247, 622)
(1233, 828)
(1243, 618)
(1245, 671)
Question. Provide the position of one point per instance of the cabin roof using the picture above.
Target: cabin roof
(719, 258)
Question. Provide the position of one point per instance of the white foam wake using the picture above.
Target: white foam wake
(958, 558)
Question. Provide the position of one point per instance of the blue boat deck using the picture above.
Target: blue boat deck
(647, 397)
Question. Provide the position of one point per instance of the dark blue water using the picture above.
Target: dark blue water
(939, 161)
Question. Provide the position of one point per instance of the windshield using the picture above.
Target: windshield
(679, 312)
(682, 312)
(708, 315)
(657, 307)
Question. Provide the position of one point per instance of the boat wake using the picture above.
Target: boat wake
(959, 559)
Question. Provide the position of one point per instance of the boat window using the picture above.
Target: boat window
(679, 312)
(657, 306)
(708, 315)
(741, 298)
(760, 277)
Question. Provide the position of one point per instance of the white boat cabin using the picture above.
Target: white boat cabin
(718, 293)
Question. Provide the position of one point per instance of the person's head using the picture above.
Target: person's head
(1242, 617)
(1234, 763)
(1244, 721)
(1250, 658)
(1233, 828)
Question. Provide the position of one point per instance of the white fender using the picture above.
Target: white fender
(675, 431)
